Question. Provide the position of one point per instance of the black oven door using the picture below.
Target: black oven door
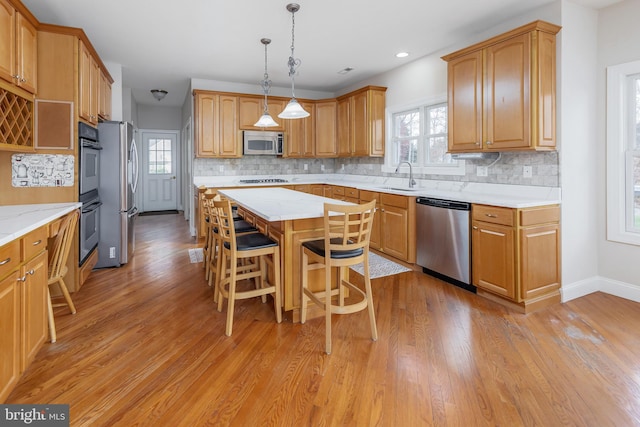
(89, 167)
(89, 225)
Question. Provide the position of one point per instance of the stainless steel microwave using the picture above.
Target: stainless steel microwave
(263, 143)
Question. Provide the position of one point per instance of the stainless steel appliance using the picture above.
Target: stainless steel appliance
(263, 143)
(118, 182)
(89, 158)
(89, 223)
(443, 243)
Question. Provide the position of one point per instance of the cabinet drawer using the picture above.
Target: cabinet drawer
(493, 214)
(395, 200)
(367, 196)
(34, 243)
(9, 257)
(541, 215)
(351, 192)
(338, 191)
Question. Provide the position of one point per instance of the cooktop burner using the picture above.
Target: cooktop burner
(263, 181)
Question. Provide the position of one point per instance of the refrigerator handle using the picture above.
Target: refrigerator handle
(134, 164)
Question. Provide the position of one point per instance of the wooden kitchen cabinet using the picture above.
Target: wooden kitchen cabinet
(326, 129)
(23, 305)
(250, 109)
(18, 48)
(104, 97)
(300, 134)
(362, 119)
(89, 81)
(502, 92)
(516, 255)
(393, 231)
(216, 125)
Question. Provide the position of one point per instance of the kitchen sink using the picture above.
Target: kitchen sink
(399, 188)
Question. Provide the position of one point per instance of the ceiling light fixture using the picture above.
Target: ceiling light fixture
(293, 109)
(265, 120)
(402, 54)
(159, 94)
(345, 70)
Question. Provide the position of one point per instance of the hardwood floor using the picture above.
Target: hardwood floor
(147, 347)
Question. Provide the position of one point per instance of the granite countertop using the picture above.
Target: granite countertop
(510, 196)
(280, 204)
(18, 220)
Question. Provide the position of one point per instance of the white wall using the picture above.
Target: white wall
(158, 117)
(116, 90)
(618, 42)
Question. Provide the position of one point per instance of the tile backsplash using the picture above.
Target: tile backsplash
(508, 169)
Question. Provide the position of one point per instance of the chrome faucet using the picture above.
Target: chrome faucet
(412, 182)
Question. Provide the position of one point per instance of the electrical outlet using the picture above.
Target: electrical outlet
(306, 166)
(322, 167)
(527, 171)
(221, 168)
(342, 167)
(482, 171)
(112, 252)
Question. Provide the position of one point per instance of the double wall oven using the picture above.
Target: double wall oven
(89, 146)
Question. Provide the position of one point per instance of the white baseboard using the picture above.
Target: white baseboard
(602, 284)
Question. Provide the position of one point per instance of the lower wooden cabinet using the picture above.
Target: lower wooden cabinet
(516, 255)
(23, 305)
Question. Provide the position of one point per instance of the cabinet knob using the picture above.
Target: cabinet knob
(36, 243)
(478, 143)
(6, 261)
(492, 215)
(475, 227)
(489, 142)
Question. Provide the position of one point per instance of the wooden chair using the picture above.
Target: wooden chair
(58, 267)
(347, 230)
(243, 257)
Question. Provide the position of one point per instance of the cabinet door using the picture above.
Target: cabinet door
(251, 108)
(205, 110)
(465, 102)
(229, 141)
(540, 255)
(377, 100)
(345, 143)
(493, 258)
(300, 134)
(394, 232)
(26, 54)
(9, 334)
(375, 239)
(359, 128)
(325, 132)
(84, 71)
(508, 94)
(34, 307)
(7, 41)
(104, 97)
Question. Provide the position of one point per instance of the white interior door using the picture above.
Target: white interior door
(159, 174)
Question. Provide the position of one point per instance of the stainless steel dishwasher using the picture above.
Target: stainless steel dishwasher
(443, 240)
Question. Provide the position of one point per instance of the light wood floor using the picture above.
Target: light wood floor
(146, 347)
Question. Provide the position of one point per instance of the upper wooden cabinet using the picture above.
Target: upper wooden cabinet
(360, 121)
(502, 92)
(104, 97)
(89, 75)
(216, 125)
(18, 48)
(250, 108)
(300, 133)
(325, 129)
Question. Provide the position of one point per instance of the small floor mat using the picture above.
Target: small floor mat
(380, 267)
(196, 255)
(148, 213)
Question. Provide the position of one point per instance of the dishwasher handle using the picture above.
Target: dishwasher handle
(445, 204)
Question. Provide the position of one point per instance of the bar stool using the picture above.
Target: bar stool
(58, 267)
(347, 230)
(242, 257)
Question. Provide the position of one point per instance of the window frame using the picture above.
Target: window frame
(390, 165)
(619, 185)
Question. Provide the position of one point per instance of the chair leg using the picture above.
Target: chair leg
(262, 278)
(372, 315)
(276, 279)
(304, 284)
(220, 280)
(67, 297)
(52, 323)
(327, 306)
(231, 300)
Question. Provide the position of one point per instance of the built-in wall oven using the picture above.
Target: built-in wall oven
(89, 181)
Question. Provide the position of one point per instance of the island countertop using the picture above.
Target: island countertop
(280, 204)
(18, 220)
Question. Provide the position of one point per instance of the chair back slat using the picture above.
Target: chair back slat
(350, 225)
(224, 218)
(62, 245)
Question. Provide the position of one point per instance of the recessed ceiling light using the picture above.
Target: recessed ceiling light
(402, 54)
(345, 70)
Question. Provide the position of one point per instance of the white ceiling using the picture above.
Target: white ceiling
(163, 43)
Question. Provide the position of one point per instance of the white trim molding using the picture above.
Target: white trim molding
(600, 284)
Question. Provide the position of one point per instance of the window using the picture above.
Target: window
(419, 135)
(623, 153)
(159, 156)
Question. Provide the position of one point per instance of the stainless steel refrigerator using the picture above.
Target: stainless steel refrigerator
(118, 182)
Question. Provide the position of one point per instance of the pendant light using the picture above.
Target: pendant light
(265, 120)
(293, 109)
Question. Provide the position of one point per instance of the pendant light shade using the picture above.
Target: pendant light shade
(293, 110)
(265, 121)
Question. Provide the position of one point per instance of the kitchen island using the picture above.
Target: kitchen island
(291, 218)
